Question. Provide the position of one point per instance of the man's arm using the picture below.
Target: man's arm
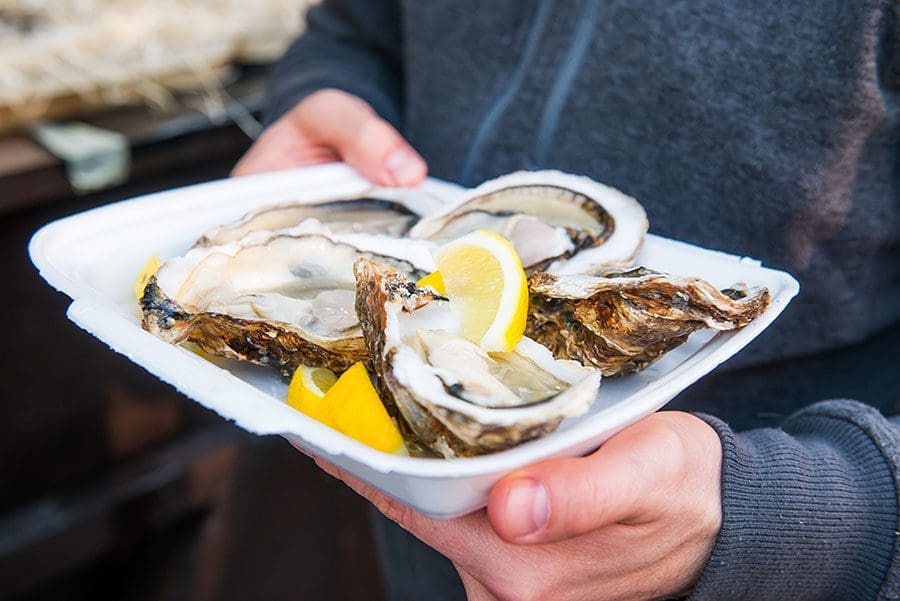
(810, 511)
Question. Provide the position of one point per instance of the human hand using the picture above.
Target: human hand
(637, 519)
(331, 125)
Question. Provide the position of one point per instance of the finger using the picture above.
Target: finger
(329, 468)
(628, 477)
(280, 147)
(362, 139)
(411, 520)
(423, 527)
(460, 538)
(302, 450)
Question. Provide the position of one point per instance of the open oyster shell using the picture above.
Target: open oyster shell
(559, 222)
(444, 391)
(623, 320)
(368, 215)
(274, 299)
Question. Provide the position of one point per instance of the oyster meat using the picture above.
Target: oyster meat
(353, 215)
(446, 392)
(623, 320)
(559, 222)
(273, 299)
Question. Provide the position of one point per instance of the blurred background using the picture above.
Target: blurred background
(112, 485)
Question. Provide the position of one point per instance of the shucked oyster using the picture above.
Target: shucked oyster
(444, 390)
(548, 216)
(624, 320)
(353, 215)
(278, 300)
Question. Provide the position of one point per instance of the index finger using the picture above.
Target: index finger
(461, 539)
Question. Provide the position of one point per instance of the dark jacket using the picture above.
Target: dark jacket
(765, 128)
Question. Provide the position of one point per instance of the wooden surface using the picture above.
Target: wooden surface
(113, 485)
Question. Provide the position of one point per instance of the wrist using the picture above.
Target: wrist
(702, 489)
(801, 520)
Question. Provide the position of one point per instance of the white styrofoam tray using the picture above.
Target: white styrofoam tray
(94, 257)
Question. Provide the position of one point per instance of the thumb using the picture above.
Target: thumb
(362, 139)
(563, 498)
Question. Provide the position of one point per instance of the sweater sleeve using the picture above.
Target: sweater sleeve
(351, 45)
(810, 511)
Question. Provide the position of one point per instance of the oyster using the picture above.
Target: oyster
(446, 392)
(624, 320)
(549, 217)
(277, 299)
(359, 215)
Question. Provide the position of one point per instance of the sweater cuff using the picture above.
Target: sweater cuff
(808, 512)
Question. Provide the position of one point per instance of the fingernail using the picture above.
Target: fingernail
(404, 166)
(527, 507)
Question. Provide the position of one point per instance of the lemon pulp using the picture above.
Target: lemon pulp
(435, 280)
(487, 287)
(307, 391)
(355, 409)
(348, 404)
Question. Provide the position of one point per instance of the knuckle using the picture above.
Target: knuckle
(517, 592)
(668, 443)
(375, 130)
(301, 114)
(524, 586)
(318, 100)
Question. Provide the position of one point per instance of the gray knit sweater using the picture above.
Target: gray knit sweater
(768, 128)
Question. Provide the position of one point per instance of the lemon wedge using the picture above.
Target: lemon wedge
(354, 408)
(487, 288)
(147, 271)
(434, 280)
(348, 404)
(307, 391)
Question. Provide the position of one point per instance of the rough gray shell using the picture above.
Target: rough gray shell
(434, 407)
(559, 222)
(623, 320)
(255, 326)
(353, 215)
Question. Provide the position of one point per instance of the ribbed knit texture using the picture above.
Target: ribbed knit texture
(367, 42)
(812, 508)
